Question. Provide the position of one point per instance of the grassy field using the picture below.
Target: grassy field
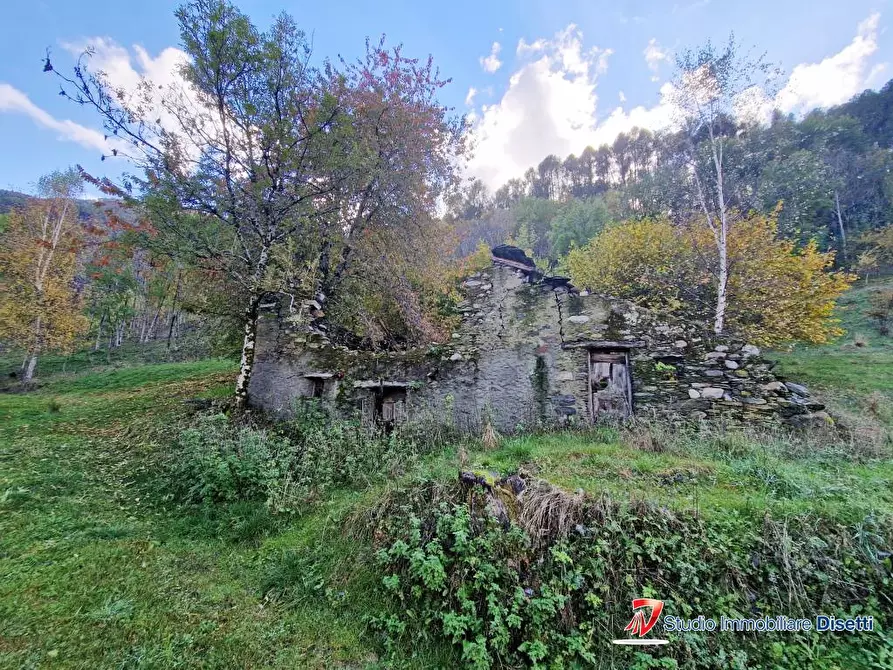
(96, 573)
(857, 365)
(100, 568)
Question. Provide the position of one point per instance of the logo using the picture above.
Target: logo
(641, 624)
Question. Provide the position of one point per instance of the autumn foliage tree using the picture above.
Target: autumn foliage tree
(40, 307)
(777, 293)
(273, 173)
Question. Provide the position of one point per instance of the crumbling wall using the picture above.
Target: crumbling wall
(513, 361)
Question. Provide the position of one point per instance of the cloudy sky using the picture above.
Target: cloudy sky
(535, 77)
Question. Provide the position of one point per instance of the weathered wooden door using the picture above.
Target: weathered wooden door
(393, 407)
(609, 384)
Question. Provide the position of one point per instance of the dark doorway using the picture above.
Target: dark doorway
(318, 388)
(385, 406)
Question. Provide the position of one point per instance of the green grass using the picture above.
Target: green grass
(192, 346)
(855, 381)
(708, 475)
(100, 568)
(842, 365)
(95, 572)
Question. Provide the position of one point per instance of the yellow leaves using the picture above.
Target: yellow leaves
(637, 260)
(40, 308)
(481, 259)
(880, 247)
(777, 293)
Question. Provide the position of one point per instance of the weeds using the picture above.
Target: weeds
(490, 438)
(288, 466)
(547, 589)
(710, 517)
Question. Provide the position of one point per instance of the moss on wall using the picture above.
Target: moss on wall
(539, 381)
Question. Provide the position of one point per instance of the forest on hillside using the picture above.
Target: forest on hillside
(831, 172)
(338, 193)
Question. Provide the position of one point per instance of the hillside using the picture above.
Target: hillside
(10, 200)
(93, 534)
(856, 371)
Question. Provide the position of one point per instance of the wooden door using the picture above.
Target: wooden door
(367, 410)
(609, 384)
(393, 407)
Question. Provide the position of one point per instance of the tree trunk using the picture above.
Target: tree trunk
(246, 365)
(722, 237)
(722, 284)
(840, 225)
(170, 330)
(143, 322)
(99, 332)
(32, 362)
(150, 332)
(29, 371)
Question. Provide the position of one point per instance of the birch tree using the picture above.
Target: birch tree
(40, 308)
(710, 88)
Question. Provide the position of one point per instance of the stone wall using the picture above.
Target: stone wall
(520, 356)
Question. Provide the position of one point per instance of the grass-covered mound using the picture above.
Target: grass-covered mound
(543, 578)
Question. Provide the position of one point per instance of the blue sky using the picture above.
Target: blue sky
(564, 74)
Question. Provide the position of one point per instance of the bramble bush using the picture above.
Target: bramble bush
(503, 595)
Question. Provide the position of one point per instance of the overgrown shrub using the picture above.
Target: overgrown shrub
(504, 597)
(881, 311)
(287, 465)
(215, 461)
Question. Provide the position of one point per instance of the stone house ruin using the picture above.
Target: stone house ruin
(531, 349)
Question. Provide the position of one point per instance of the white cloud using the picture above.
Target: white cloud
(127, 69)
(655, 55)
(620, 120)
(549, 108)
(525, 48)
(13, 100)
(124, 71)
(492, 63)
(694, 5)
(551, 105)
(469, 98)
(837, 78)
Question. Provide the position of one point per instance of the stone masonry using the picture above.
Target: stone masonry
(532, 350)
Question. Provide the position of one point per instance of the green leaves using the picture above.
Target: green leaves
(503, 603)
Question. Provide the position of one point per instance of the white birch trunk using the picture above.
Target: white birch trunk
(32, 361)
(840, 225)
(246, 364)
(721, 236)
(99, 333)
(29, 371)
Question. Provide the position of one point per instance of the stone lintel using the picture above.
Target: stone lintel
(604, 344)
(377, 383)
